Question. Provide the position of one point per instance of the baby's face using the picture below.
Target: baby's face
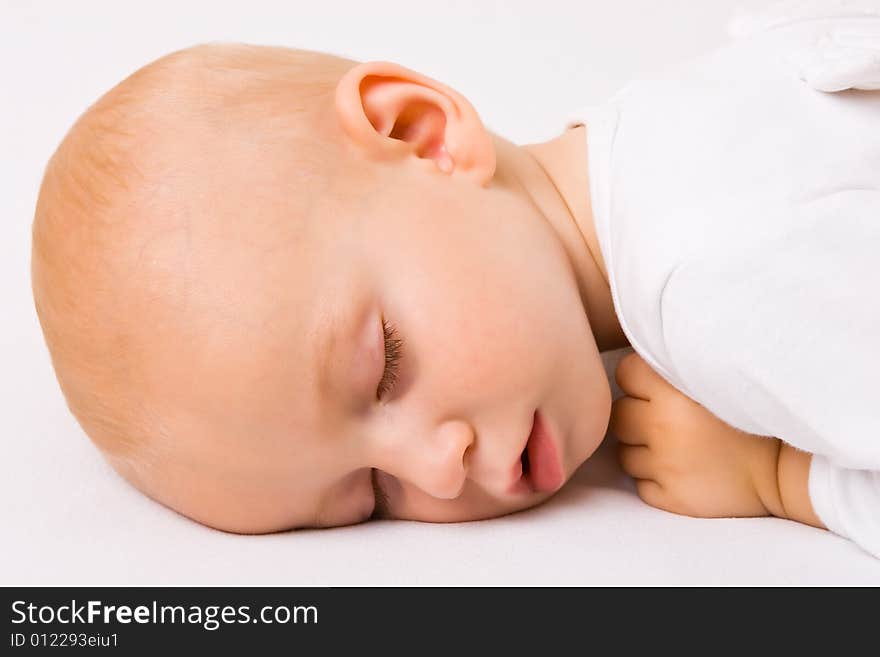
(394, 340)
(299, 414)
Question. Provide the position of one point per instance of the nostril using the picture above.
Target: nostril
(524, 459)
(466, 457)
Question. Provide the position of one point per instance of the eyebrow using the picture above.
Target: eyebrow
(323, 336)
(327, 333)
(324, 350)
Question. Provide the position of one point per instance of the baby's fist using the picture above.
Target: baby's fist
(685, 459)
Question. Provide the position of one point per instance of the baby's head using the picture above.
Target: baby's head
(270, 279)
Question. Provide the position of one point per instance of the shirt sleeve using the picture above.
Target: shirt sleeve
(843, 48)
(847, 501)
(780, 338)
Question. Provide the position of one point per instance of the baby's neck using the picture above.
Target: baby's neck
(555, 175)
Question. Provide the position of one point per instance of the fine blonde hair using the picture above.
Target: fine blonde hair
(96, 195)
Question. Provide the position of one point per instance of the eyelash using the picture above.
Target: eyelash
(393, 347)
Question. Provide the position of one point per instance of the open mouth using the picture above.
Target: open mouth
(524, 460)
(541, 469)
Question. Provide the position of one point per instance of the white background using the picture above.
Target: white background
(65, 517)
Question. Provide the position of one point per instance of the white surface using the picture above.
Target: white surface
(67, 518)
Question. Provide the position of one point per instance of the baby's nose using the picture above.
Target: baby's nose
(439, 464)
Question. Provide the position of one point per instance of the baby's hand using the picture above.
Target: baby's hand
(684, 459)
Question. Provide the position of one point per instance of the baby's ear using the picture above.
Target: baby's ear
(391, 112)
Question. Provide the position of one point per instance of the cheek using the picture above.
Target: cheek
(346, 502)
(490, 310)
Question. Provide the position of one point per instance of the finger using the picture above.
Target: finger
(625, 422)
(636, 461)
(651, 493)
(636, 378)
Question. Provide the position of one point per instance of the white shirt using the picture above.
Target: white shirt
(737, 206)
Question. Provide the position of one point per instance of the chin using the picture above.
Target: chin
(447, 511)
(585, 453)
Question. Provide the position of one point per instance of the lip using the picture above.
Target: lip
(545, 472)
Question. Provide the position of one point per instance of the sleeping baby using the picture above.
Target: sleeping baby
(284, 289)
